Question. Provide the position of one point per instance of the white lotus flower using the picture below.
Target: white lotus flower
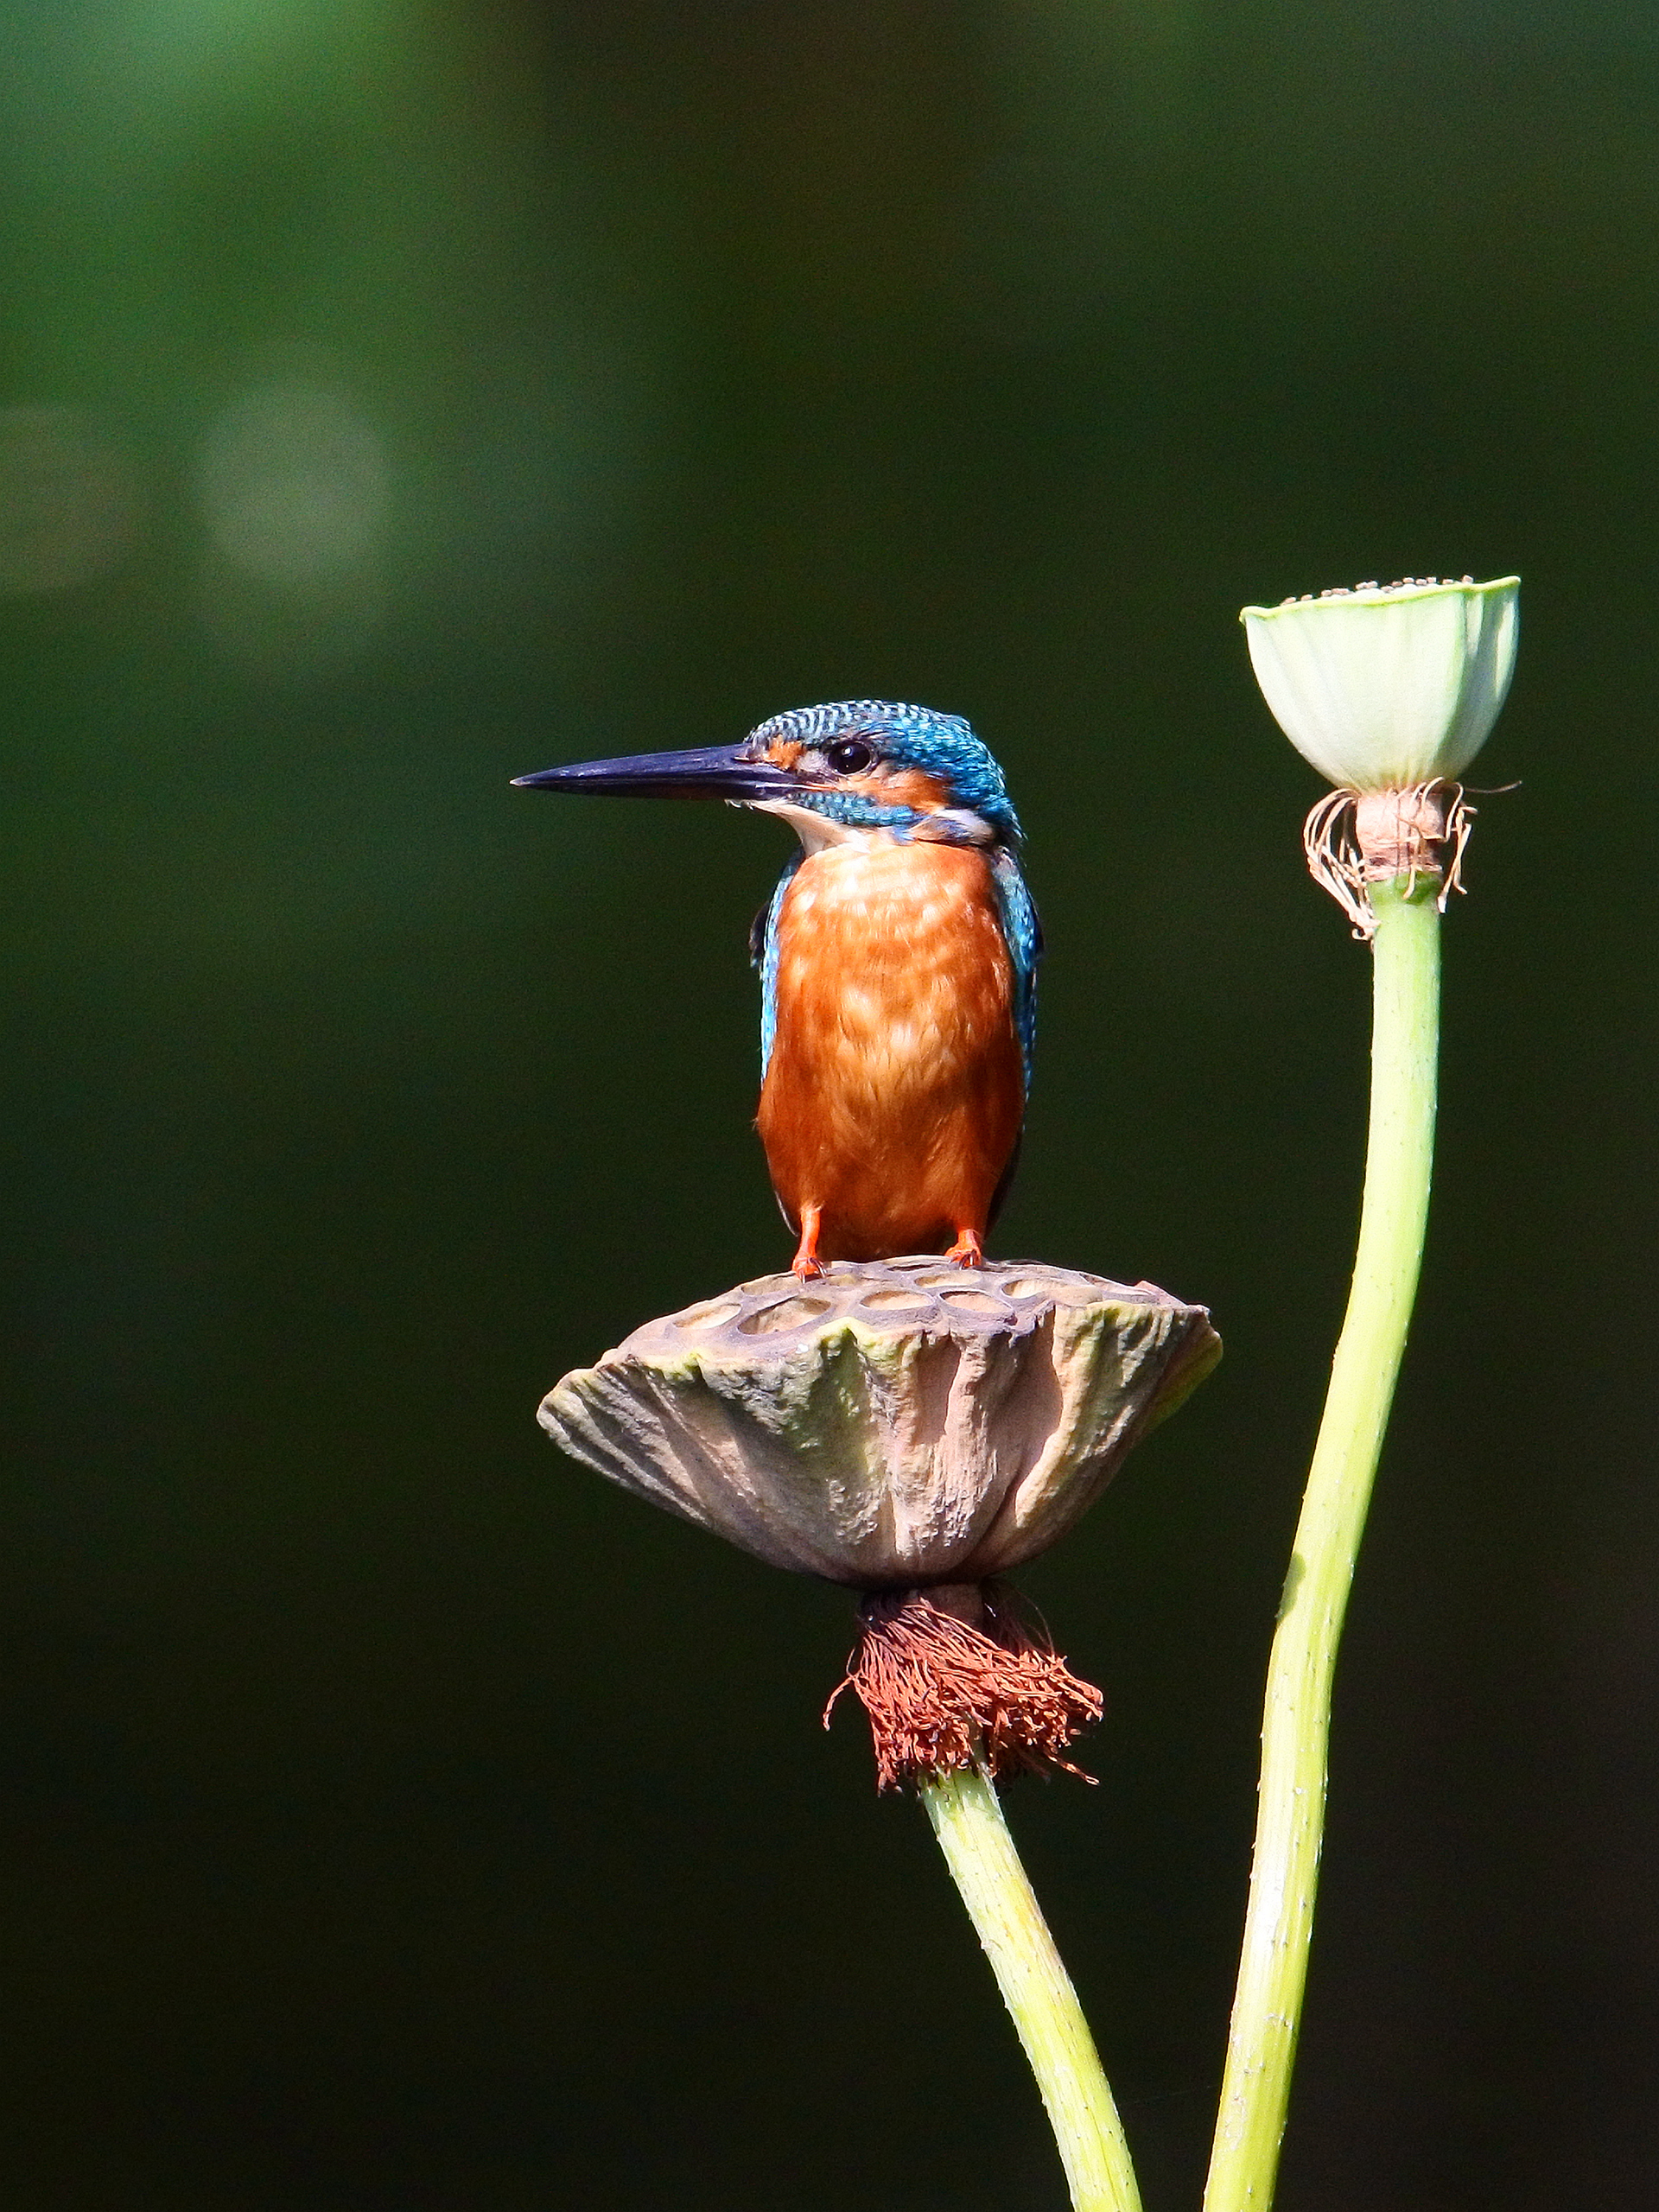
(1382, 689)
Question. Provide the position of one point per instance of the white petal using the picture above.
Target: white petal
(1381, 690)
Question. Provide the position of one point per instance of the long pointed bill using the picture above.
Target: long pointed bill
(707, 772)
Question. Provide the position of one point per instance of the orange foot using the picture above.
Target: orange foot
(806, 1263)
(967, 1251)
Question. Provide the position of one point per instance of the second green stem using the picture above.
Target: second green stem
(1290, 1814)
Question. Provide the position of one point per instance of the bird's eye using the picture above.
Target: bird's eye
(850, 756)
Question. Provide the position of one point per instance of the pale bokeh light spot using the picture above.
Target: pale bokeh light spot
(294, 486)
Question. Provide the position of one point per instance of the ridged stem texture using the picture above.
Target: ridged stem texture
(1036, 1988)
(1296, 1723)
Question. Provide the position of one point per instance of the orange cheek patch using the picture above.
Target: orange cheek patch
(784, 752)
(905, 787)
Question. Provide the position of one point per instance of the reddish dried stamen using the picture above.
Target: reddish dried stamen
(952, 1677)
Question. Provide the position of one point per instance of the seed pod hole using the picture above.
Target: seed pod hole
(791, 1313)
(708, 1317)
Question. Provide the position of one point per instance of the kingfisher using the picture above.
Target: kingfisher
(898, 961)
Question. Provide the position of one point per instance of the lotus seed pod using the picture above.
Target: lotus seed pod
(895, 1424)
(1383, 691)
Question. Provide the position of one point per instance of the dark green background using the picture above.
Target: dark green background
(394, 1819)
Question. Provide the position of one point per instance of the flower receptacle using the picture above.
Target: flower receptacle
(894, 1424)
(1389, 692)
(1389, 687)
(913, 1431)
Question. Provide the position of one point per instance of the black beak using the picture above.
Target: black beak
(707, 772)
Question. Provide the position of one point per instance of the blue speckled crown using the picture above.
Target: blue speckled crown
(910, 737)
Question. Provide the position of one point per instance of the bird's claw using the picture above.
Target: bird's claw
(806, 1267)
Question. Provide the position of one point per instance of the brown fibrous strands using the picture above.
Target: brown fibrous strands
(1354, 839)
(954, 1677)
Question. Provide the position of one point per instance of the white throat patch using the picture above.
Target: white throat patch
(951, 826)
(816, 831)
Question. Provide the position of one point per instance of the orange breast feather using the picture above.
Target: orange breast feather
(894, 1094)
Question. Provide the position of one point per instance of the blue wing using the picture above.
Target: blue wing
(763, 951)
(1024, 935)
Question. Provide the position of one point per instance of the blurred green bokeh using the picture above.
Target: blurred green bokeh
(399, 398)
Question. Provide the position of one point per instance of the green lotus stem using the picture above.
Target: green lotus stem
(1290, 1815)
(1036, 1988)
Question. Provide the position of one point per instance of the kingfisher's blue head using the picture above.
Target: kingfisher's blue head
(857, 764)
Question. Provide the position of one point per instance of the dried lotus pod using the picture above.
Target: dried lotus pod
(899, 1426)
(897, 1423)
